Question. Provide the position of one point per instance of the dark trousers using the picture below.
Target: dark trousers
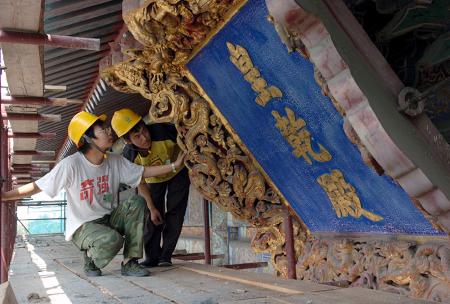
(177, 190)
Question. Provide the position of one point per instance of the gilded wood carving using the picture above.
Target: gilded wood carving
(225, 174)
(403, 267)
(218, 167)
(175, 25)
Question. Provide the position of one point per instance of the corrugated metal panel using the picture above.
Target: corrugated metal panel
(78, 69)
(110, 101)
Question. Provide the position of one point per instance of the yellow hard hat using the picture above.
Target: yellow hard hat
(123, 121)
(80, 123)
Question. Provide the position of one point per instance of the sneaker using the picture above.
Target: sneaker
(132, 268)
(89, 267)
(165, 263)
(149, 263)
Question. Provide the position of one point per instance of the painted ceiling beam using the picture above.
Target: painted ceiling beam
(33, 152)
(31, 117)
(43, 161)
(40, 101)
(28, 170)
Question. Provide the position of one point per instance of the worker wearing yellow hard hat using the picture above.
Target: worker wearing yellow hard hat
(80, 123)
(151, 145)
(123, 121)
(96, 223)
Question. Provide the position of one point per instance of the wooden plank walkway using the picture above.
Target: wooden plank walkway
(46, 269)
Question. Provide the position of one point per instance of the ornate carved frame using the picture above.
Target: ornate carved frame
(224, 171)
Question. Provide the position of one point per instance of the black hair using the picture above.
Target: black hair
(135, 129)
(89, 133)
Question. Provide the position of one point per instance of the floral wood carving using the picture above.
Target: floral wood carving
(403, 267)
(175, 25)
(218, 167)
(224, 174)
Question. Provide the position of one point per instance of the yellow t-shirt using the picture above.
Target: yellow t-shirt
(160, 153)
(164, 150)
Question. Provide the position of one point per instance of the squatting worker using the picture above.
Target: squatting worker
(96, 223)
(150, 145)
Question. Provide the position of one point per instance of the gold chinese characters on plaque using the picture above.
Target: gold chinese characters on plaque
(343, 196)
(297, 135)
(241, 59)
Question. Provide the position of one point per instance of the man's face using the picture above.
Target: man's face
(104, 139)
(141, 138)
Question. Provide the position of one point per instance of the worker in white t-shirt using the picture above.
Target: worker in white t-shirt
(96, 223)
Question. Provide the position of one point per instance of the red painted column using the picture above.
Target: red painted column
(206, 229)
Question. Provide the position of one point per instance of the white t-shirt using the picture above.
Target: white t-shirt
(91, 189)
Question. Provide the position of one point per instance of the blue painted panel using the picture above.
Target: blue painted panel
(255, 125)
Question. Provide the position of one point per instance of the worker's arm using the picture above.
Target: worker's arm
(143, 191)
(150, 171)
(21, 192)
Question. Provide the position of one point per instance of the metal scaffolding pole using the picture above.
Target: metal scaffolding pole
(50, 40)
(206, 229)
(7, 209)
(4, 177)
(39, 135)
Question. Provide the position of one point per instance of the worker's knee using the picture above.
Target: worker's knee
(113, 241)
(105, 248)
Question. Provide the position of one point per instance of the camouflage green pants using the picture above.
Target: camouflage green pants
(104, 237)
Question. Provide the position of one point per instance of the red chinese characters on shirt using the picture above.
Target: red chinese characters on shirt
(87, 188)
(102, 184)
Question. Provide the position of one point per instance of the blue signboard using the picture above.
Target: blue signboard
(272, 101)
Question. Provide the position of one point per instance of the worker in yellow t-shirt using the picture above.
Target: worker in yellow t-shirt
(151, 145)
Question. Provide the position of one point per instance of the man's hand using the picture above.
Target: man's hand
(180, 159)
(156, 217)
